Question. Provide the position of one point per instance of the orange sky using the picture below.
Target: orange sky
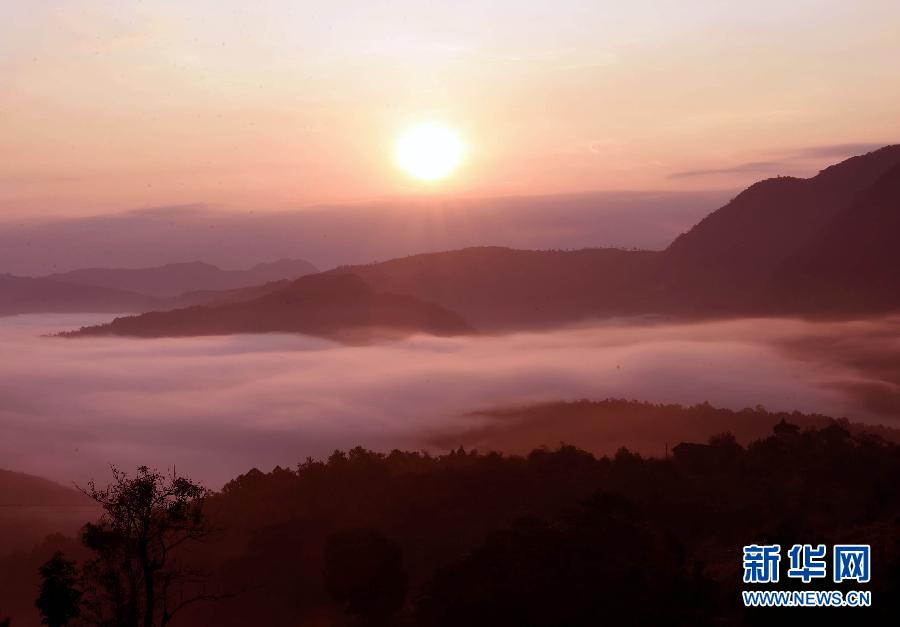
(106, 106)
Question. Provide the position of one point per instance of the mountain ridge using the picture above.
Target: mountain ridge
(738, 260)
(727, 259)
(20, 295)
(335, 306)
(173, 279)
(727, 264)
(855, 264)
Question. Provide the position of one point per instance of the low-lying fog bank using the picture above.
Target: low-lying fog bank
(218, 406)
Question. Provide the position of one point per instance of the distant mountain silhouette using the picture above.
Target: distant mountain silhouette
(177, 278)
(17, 488)
(173, 286)
(30, 295)
(340, 306)
(826, 245)
(352, 233)
(834, 234)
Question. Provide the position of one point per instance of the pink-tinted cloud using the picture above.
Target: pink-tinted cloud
(221, 405)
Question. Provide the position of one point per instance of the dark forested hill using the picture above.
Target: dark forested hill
(729, 260)
(503, 288)
(769, 221)
(340, 306)
(601, 427)
(556, 537)
(853, 265)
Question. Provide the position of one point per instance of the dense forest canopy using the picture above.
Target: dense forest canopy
(555, 537)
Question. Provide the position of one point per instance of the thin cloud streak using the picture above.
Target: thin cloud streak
(793, 162)
(838, 150)
(752, 167)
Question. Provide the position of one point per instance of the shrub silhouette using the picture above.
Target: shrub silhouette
(60, 597)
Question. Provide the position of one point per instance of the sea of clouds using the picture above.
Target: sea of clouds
(215, 407)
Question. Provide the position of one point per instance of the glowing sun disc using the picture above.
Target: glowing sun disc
(429, 152)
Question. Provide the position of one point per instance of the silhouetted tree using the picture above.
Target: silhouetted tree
(136, 577)
(365, 574)
(784, 428)
(59, 598)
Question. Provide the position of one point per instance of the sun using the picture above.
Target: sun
(429, 152)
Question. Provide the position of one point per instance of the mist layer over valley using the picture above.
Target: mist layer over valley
(216, 406)
(266, 374)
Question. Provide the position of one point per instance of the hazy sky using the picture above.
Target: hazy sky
(114, 105)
